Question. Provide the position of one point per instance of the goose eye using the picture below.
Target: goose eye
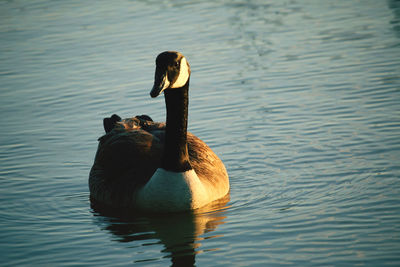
(176, 64)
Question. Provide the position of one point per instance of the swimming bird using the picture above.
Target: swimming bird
(153, 166)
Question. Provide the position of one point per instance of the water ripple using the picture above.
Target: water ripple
(300, 100)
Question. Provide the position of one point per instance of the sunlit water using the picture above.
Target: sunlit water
(300, 99)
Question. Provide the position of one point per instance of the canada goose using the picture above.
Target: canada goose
(157, 167)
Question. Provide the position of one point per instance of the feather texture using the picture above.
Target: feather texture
(155, 166)
(130, 153)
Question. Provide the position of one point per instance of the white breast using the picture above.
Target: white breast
(172, 191)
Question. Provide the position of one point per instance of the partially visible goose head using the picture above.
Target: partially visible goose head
(172, 72)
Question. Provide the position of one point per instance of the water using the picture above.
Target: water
(300, 99)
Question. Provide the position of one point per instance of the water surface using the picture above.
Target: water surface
(300, 99)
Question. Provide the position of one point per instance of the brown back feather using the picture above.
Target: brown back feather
(128, 156)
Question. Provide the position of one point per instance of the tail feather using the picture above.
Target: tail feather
(109, 123)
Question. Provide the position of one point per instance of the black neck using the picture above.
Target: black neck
(176, 156)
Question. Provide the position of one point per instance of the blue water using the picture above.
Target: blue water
(300, 99)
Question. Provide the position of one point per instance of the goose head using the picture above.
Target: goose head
(172, 72)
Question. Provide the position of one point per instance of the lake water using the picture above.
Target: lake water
(300, 99)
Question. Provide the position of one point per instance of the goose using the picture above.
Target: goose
(153, 166)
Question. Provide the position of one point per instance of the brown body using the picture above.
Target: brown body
(128, 156)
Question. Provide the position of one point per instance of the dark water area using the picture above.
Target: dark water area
(300, 99)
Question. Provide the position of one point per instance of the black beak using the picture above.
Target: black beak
(160, 84)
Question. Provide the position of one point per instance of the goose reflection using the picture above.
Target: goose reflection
(179, 233)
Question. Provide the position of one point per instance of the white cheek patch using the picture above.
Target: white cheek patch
(165, 83)
(183, 74)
